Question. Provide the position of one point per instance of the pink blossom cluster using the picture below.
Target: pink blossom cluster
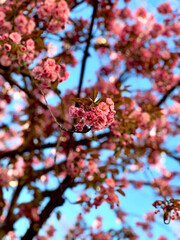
(161, 237)
(101, 235)
(49, 71)
(106, 195)
(49, 233)
(4, 177)
(5, 26)
(29, 212)
(98, 118)
(170, 208)
(11, 235)
(58, 12)
(75, 163)
(135, 48)
(23, 25)
(165, 8)
(7, 175)
(12, 50)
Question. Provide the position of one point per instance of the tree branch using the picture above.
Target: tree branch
(26, 91)
(166, 95)
(86, 54)
(20, 150)
(56, 200)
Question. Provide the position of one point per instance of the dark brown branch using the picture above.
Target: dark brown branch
(11, 218)
(26, 91)
(77, 4)
(166, 95)
(56, 200)
(20, 150)
(86, 54)
(13, 203)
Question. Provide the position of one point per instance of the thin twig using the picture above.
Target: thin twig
(158, 185)
(54, 118)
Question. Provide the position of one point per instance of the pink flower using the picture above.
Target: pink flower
(2, 15)
(145, 118)
(15, 37)
(49, 71)
(49, 64)
(164, 8)
(61, 11)
(37, 72)
(84, 197)
(5, 27)
(23, 48)
(55, 26)
(30, 26)
(92, 166)
(90, 118)
(5, 61)
(80, 125)
(30, 44)
(57, 68)
(141, 12)
(100, 123)
(97, 117)
(21, 24)
(162, 238)
(110, 118)
(7, 47)
(110, 102)
(51, 231)
(178, 148)
(102, 108)
(157, 30)
(110, 182)
(21, 20)
(81, 112)
(63, 75)
(34, 214)
(73, 112)
(81, 163)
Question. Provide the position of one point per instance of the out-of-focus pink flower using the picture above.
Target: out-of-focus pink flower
(15, 37)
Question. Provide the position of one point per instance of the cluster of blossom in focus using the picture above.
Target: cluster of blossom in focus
(58, 12)
(97, 117)
(49, 71)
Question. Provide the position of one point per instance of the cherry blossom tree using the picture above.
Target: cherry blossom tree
(49, 134)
